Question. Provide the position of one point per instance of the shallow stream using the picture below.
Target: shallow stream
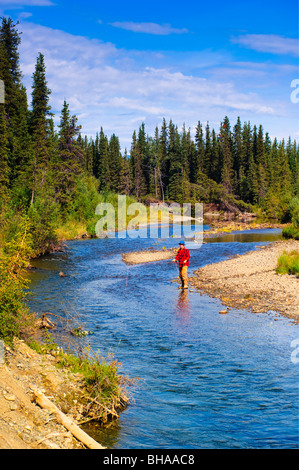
(206, 380)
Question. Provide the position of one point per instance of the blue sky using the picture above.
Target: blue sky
(119, 63)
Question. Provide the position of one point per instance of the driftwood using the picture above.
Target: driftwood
(67, 422)
(46, 323)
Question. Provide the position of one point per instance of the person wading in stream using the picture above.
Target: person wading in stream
(182, 258)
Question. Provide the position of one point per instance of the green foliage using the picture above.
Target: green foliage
(85, 199)
(290, 232)
(43, 215)
(288, 263)
(14, 313)
(292, 215)
(103, 382)
(293, 210)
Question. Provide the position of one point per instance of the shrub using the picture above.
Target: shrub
(294, 211)
(290, 232)
(14, 313)
(105, 388)
(288, 263)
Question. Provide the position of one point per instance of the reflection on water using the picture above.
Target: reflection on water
(245, 237)
(207, 380)
(183, 307)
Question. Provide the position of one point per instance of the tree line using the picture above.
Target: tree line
(54, 174)
(241, 161)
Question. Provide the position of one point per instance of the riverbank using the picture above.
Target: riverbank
(44, 398)
(148, 256)
(23, 423)
(217, 230)
(250, 281)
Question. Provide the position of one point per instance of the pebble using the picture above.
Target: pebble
(223, 311)
(9, 397)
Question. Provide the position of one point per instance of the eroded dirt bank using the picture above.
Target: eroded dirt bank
(23, 423)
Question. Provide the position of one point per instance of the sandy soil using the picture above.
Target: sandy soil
(148, 256)
(250, 281)
(23, 424)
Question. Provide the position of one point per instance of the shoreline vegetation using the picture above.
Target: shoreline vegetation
(45, 398)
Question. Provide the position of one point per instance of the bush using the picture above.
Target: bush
(84, 200)
(14, 313)
(290, 232)
(105, 388)
(43, 216)
(294, 211)
(292, 215)
(288, 263)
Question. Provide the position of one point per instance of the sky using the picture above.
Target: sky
(123, 63)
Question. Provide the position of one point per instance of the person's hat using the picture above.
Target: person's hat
(182, 243)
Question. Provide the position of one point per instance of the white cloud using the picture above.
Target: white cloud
(108, 87)
(23, 15)
(32, 3)
(149, 28)
(269, 43)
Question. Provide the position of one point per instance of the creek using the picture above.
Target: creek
(205, 380)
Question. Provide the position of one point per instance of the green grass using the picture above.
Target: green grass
(288, 263)
(105, 387)
(105, 390)
(291, 231)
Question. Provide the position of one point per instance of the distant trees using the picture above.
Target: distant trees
(241, 160)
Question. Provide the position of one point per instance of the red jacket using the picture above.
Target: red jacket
(182, 255)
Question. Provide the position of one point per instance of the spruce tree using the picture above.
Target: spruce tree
(215, 161)
(68, 165)
(125, 184)
(16, 107)
(156, 184)
(115, 163)
(199, 166)
(138, 180)
(238, 163)
(208, 150)
(226, 147)
(40, 127)
(164, 169)
(144, 157)
(4, 168)
(103, 168)
(261, 164)
(178, 187)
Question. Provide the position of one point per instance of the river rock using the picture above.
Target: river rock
(9, 397)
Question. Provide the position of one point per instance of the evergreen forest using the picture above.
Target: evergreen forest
(55, 177)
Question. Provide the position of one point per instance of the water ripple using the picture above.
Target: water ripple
(207, 380)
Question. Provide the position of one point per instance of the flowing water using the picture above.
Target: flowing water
(206, 380)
